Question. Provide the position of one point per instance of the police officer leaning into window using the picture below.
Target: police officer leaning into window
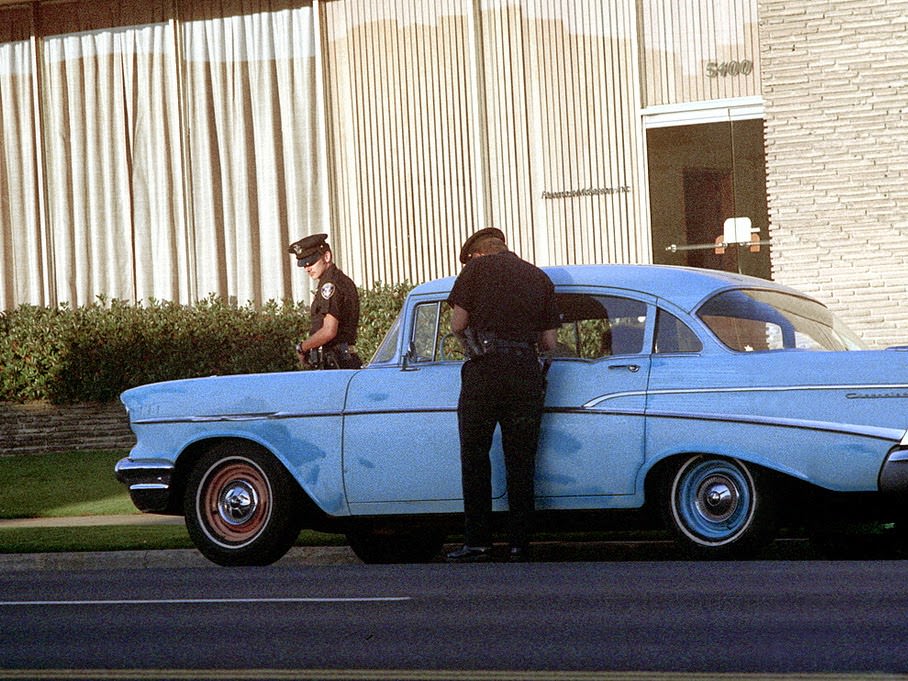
(505, 312)
(334, 313)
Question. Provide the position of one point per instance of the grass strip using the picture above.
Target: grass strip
(62, 484)
(120, 538)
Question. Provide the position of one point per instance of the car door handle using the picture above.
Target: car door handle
(633, 368)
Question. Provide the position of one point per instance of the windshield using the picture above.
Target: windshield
(388, 347)
(753, 320)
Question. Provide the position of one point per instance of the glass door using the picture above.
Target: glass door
(708, 196)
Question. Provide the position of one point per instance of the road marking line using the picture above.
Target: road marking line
(208, 601)
(424, 675)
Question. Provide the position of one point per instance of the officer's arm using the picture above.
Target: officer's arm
(323, 336)
(460, 320)
(548, 340)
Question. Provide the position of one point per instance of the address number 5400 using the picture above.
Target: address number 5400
(732, 68)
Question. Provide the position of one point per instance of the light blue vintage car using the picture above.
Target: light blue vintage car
(718, 404)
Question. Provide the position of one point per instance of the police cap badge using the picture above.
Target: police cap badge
(309, 249)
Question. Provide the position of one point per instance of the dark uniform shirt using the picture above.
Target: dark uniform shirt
(506, 295)
(338, 297)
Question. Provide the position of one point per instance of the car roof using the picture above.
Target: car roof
(686, 287)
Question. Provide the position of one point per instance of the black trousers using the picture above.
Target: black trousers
(506, 389)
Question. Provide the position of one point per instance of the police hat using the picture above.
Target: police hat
(309, 249)
(488, 232)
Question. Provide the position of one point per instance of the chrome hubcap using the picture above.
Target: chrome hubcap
(717, 498)
(238, 503)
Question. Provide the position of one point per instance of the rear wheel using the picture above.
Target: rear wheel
(718, 508)
(241, 506)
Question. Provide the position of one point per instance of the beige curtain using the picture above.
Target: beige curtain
(96, 99)
(256, 177)
(162, 150)
(21, 246)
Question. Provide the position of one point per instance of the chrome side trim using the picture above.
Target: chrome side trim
(860, 430)
(747, 389)
(263, 416)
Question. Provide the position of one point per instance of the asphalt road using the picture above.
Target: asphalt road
(785, 617)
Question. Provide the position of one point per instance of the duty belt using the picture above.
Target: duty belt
(509, 346)
(491, 344)
(342, 348)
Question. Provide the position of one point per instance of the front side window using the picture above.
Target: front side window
(425, 332)
(388, 347)
(757, 320)
(432, 340)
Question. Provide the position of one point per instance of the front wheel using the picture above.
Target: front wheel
(718, 508)
(241, 506)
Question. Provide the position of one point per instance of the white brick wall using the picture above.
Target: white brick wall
(835, 84)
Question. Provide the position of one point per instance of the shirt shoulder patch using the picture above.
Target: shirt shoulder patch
(328, 290)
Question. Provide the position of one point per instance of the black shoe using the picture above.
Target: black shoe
(519, 554)
(470, 554)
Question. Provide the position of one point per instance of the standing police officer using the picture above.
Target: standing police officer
(504, 312)
(334, 314)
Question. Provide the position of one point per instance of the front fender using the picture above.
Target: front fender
(308, 447)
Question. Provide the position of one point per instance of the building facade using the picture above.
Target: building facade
(171, 149)
(836, 98)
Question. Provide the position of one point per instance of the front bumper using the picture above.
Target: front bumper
(148, 481)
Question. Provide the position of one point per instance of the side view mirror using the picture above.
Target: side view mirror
(409, 358)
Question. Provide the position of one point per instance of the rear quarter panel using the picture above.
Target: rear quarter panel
(799, 413)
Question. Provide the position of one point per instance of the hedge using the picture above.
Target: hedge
(93, 353)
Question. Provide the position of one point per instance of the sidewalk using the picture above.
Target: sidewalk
(164, 558)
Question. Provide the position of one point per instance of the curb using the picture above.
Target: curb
(136, 559)
(164, 558)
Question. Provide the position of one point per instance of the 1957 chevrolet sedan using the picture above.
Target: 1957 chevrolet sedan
(717, 404)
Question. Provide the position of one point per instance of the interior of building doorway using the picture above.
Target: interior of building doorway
(700, 176)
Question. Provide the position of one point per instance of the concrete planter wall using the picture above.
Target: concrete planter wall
(40, 427)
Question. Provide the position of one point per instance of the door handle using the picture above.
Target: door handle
(633, 368)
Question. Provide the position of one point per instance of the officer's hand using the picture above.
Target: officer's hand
(302, 356)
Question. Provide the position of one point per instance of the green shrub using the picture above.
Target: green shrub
(94, 352)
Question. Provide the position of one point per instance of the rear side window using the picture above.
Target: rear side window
(600, 326)
(673, 335)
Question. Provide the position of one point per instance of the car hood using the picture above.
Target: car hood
(245, 396)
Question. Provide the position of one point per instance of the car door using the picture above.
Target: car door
(592, 441)
(401, 443)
